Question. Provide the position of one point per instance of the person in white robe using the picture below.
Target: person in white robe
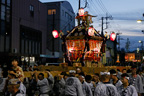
(126, 89)
(115, 80)
(106, 88)
(73, 86)
(86, 89)
(136, 81)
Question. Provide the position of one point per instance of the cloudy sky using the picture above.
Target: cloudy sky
(124, 13)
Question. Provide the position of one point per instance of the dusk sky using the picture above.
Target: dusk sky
(125, 13)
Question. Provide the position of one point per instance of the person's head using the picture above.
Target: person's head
(35, 69)
(12, 76)
(13, 85)
(88, 78)
(41, 76)
(129, 71)
(72, 73)
(105, 76)
(125, 78)
(30, 68)
(15, 62)
(124, 71)
(113, 74)
(78, 70)
(118, 70)
(134, 69)
(96, 77)
(65, 76)
(81, 78)
(35, 66)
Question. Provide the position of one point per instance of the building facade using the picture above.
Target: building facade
(60, 16)
(23, 27)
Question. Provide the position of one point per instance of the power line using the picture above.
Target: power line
(104, 7)
(99, 4)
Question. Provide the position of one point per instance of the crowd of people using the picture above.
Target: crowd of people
(73, 83)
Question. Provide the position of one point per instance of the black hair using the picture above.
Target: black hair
(15, 59)
(118, 70)
(88, 77)
(97, 74)
(129, 71)
(82, 74)
(35, 69)
(124, 75)
(112, 71)
(12, 70)
(41, 74)
(48, 70)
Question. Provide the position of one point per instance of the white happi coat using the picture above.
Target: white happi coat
(118, 84)
(106, 89)
(91, 85)
(73, 87)
(22, 88)
(137, 83)
(86, 89)
(129, 91)
(44, 87)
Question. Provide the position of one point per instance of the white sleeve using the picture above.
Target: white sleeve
(88, 90)
(140, 85)
(134, 93)
(42, 82)
(79, 88)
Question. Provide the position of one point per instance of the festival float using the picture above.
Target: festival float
(83, 43)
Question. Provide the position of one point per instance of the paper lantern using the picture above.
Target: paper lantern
(81, 12)
(55, 33)
(112, 36)
(91, 31)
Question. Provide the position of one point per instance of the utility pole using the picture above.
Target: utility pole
(102, 26)
(53, 26)
(142, 51)
(127, 45)
(79, 4)
(78, 13)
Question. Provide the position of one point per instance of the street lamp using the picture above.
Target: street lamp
(139, 21)
(142, 49)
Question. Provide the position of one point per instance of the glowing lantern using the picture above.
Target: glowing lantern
(71, 49)
(91, 31)
(55, 33)
(112, 36)
(81, 12)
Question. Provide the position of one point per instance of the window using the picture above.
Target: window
(31, 10)
(3, 1)
(8, 2)
(51, 11)
(62, 12)
(2, 31)
(2, 12)
(7, 14)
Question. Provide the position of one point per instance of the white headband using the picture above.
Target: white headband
(114, 74)
(104, 73)
(126, 78)
(72, 71)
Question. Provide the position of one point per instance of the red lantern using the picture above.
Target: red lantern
(81, 12)
(112, 36)
(91, 31)
(55, 33)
